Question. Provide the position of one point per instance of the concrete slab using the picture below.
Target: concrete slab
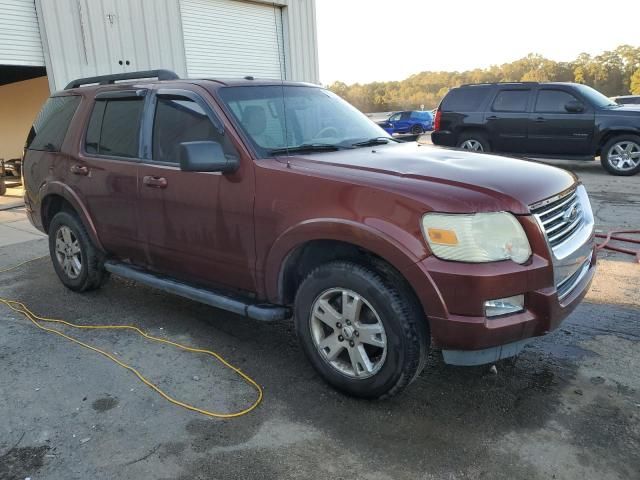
(10, 236)
(12, 199)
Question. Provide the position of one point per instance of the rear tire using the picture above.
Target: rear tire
(621, 155)
(417, 130)
(376, 346)
(474, 142)
(3, 187)
(78, 263)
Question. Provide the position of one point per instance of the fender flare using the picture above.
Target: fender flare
(613, 131)
(64, 191)
(399, 248)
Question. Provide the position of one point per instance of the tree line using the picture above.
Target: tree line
(615, 72)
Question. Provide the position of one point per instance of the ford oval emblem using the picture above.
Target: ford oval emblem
(571, 214)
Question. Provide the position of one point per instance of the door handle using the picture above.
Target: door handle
(155, 182)
(492, 117)
(540, 120)
(79, 170)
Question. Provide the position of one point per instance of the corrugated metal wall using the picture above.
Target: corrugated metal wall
(301, 38)
(84, 38)
(19, 34)
(97, 37)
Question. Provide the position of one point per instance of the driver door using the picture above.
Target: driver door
(197, 226)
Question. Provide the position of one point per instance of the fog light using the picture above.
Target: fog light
(504, 306)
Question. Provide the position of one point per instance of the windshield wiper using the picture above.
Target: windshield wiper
(308, 147)
(375, 141)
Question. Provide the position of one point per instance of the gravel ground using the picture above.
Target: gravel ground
(567, 408)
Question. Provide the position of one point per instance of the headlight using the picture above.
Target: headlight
(476, 238)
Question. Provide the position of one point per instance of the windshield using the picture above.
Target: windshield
(596, 98)
(280, 117)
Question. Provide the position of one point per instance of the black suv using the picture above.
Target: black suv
(565, 120)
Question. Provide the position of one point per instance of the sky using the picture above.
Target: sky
(379, 40)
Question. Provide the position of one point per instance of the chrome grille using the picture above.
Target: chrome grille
(560, 217)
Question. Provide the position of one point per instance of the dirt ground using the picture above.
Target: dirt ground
(567, 408)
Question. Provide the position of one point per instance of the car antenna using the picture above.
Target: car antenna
(283, 72)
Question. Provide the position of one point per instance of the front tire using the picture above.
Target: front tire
(474, 142)
(362, 331)
(78, 263)
(621, 155)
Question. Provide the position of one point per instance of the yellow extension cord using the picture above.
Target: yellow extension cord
(21, 308)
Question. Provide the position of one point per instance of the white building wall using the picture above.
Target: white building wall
(84, 38)
(19, 34)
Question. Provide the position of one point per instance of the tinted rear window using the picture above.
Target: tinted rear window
(511, 101)
(114, 127)
(50, 127)
(465, 99)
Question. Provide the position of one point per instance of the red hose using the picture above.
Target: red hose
(614, 235)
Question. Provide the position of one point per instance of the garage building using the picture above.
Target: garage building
(45, 44)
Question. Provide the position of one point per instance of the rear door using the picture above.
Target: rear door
(403, 124)
(106, 170)
(197, 226)
(555, 131)
(507, 119)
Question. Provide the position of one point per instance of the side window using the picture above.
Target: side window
(114, 127)
(553, 101)
(395, 117)
(465, 99)
(50, 127)
(405, 116)
(180, 119)
(511, 101)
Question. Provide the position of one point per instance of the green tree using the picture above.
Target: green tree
(635, 83)
(613, 72)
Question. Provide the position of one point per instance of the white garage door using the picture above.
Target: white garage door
(19, 34)
(228, 38)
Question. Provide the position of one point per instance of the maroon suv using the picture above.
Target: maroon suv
(276, 200)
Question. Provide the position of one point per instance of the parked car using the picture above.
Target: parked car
(565, 120)
(627, 99)
(13, 167)
(3, 185)
(376, 248)
(414, 122)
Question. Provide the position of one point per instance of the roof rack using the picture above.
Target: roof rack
(111, 79)
(498, 83)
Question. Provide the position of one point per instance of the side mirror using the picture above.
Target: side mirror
(574, 106)
(206, 157)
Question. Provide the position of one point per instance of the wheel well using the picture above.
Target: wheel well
(52, 204)
(609, 135)
(312, 254)
(468, 130)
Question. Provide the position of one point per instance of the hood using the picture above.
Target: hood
(625, 110)
(444, 180)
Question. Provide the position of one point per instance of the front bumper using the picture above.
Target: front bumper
(455, 294)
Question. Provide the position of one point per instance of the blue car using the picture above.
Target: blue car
(415, 122)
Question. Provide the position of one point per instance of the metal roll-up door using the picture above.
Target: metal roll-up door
(224, 38)
(19, 34)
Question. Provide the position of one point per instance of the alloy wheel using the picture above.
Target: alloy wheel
(68, 253)
(624, 155)
(348, 333)
(473, 145)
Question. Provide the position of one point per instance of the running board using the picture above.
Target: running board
(234, 304)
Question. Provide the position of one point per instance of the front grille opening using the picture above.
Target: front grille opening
(560, 218)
